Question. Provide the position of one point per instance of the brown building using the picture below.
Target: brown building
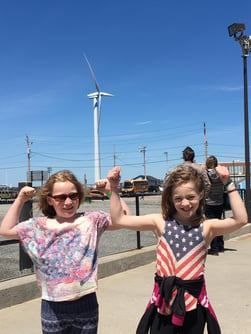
(236, 169)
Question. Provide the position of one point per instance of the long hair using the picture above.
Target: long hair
(211, 162)
(181, 174)
(47, 188)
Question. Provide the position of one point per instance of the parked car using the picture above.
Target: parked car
(96, 194)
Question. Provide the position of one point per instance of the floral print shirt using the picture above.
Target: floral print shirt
(64, 255)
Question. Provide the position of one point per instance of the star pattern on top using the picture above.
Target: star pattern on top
(181, 239)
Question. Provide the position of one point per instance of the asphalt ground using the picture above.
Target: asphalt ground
(124, 296)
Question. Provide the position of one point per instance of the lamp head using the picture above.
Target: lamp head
(235, 28)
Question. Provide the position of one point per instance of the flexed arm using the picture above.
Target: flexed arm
(236, 202)
(215, 227)
(8, 225)
(103, 185)
(150, 222)
(116, 209)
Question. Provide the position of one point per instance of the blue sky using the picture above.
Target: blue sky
(170, 65)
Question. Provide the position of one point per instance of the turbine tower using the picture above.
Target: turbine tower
(97, 113)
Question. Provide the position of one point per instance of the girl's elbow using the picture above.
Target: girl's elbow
(115, 223)
(9, 233)
(2, 232)
(243, 220)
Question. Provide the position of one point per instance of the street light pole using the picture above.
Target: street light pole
(236, 30)
(247, 155)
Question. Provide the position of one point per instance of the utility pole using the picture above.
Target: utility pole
(29, 156)
(166, 154)
(49, 169)
(114, 155)
(205, 141)
(85, 185)
(143, 149)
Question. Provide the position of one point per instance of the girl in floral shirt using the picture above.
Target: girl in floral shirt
(63, 246)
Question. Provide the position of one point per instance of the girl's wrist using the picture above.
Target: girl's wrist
(229, 184)
(109, 194)
(232, 190)
(114, 189)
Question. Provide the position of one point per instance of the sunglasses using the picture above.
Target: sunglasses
(62, 197)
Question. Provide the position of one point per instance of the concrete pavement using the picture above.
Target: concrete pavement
(123, 296)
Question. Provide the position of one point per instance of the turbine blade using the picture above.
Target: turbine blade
(105, 94)
(92, 73)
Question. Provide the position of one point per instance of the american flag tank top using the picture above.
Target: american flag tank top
(181, 252)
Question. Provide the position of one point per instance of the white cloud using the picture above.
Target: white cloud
(143, 123)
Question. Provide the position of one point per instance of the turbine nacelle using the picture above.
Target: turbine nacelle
(97, 94)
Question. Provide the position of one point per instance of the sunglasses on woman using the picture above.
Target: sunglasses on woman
(62, 197)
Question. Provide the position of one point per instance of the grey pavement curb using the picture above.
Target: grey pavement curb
(25, 288)
(22, 289)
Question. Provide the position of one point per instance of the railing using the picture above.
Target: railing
(137, 206)
(8, 242)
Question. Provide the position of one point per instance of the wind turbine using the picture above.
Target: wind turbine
(97, 114)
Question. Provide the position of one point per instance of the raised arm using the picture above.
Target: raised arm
(103, 185)
(151, 222)
(217, 227)
(8, 225)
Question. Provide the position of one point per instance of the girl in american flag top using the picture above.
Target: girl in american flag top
(179, 302)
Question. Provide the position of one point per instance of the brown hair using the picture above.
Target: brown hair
(211, 162)
(188, 154)
(47, 188)
(181, 174)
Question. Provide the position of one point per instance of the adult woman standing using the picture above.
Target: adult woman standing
(214, 201)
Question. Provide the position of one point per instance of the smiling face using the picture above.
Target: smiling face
(65, 207)
(183, 195)
(186, 200)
